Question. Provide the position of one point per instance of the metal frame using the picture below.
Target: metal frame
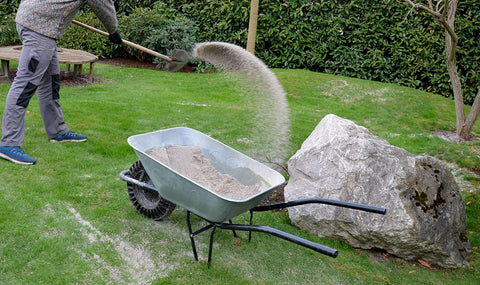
(272, 231)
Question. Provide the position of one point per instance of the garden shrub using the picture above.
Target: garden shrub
(160, 29)
(8, 6)
(8, 31)
(128, 6)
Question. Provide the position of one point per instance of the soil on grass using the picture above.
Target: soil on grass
(135, 63)
(66, 79)
(451, 136)
(128, 62)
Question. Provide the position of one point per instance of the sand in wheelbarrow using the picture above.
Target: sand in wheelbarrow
(189, 161)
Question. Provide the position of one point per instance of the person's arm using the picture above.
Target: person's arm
(106, 13)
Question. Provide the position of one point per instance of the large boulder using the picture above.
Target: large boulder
(425, 216)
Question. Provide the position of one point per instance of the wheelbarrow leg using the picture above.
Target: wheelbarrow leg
(211, 245)
(233, 231)
(210, 249)
(191, 236)
(251, 223)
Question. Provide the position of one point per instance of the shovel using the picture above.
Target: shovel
(174, 63)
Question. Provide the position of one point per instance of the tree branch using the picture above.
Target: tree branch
(437, 16)
(474, 111)
(442, 8)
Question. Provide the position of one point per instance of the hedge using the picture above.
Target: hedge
(122, 6)
(367, 39)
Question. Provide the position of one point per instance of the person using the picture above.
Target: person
(40, 23)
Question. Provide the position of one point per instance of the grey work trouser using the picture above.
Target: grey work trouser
(38, 71)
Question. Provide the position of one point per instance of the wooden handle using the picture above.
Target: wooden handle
(128, 43)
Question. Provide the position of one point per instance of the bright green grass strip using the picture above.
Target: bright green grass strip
(68, 219)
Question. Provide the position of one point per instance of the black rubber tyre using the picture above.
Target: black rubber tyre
(147, 202)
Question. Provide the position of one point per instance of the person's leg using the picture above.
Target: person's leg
(48, 93)
(35, 60)
(48, 97)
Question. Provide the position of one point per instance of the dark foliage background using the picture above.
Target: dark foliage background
(367, 39)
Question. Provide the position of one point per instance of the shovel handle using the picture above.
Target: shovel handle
(128, 43)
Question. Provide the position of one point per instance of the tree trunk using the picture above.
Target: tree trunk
(456, 86)
(464, 127)
(450, 52)
(252, 27)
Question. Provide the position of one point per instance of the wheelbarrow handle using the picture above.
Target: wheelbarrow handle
(361, 207)
(283, 235)
(124, 175)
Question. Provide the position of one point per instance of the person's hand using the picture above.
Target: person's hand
(115, 38)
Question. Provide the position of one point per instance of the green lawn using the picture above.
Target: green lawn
(68, 220)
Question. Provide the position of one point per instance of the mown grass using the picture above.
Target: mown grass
(68, 219)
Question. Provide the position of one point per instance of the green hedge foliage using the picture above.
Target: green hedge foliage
(128, 6)
(8, 31)
(367, 39)
(8, 6)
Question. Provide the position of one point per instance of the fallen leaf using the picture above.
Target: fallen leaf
(386, 254)
(237, 242)
(469, 203)
(426, 264)
(412, 271)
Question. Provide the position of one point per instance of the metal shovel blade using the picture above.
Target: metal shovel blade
(178, 60)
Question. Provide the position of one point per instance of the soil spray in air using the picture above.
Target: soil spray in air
(271, 137)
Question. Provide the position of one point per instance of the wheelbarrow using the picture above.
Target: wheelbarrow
(155, 189)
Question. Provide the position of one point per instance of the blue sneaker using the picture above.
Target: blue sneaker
(70, 137)
(16, 154)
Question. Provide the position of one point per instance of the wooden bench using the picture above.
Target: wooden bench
(65, 56)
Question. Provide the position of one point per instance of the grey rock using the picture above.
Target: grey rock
(340, 160)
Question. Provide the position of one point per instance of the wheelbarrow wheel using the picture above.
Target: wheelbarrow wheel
(147, 202)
